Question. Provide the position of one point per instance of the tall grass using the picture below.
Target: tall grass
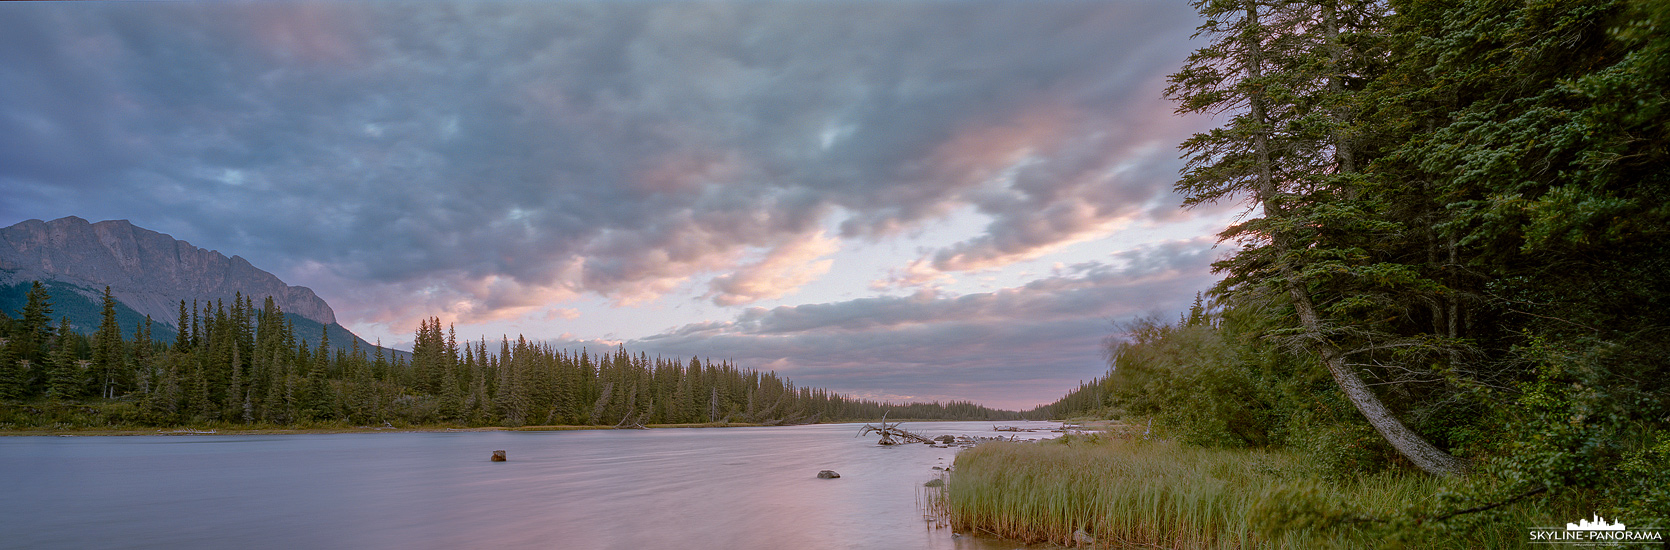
(1127, 493)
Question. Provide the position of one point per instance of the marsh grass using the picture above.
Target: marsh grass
(1134, 493)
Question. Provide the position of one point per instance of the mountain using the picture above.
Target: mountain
(148, 273)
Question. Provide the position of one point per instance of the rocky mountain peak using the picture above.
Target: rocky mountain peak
(149, 271)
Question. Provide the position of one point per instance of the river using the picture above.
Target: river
(723, 488)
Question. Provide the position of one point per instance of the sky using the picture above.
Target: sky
(898, 200)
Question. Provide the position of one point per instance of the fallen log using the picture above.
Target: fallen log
(892, 434)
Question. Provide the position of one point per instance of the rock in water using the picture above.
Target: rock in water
(828, 474)
(946, 439)
(498, 456)
(934, 483)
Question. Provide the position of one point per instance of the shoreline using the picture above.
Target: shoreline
(114, 432)
(215, 430)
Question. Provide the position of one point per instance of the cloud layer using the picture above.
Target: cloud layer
(620, 149)
(1016, 347)
(491, 161)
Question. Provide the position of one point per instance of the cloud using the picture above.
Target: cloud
(916, 274)
(787, 268)
(487, 158)
(1016, 347)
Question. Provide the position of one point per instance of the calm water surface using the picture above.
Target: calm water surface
(668, 488)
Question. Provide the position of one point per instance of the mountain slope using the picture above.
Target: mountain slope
(148, 273)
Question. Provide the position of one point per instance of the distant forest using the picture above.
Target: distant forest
(239, 364)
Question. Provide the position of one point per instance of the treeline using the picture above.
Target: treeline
(1456, 255)
(243, 364)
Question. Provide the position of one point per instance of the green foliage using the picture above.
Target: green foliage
(83, 306)
(1333, 443)
(1569, 431)
(242, 365)
(1473, 196)
(1164, 366)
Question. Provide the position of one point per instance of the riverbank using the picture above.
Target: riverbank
(327, 428)
(1132, 493)
(244, 430)
(119, 417)
(241, 430)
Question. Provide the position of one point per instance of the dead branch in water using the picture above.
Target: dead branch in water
(892, 434)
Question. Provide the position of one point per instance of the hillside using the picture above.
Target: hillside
(148, 273)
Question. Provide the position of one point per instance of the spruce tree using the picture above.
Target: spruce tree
(144, 371)
(108, 361)
(182, 336)
(34, 327)
(166, 401)
(11, 374)
(66, 374)
(1267, 152)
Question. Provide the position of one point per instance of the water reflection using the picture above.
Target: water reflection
(669, 488)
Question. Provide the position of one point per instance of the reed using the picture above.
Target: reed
(1126, 493)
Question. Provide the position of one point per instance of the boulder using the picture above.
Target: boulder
(828, 474)
(498, 456)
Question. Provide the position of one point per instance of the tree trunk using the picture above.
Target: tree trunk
(1336, 56)
(1408, 443)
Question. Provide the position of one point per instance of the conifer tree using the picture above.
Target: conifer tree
(34, 325)
(182, 338)
(317, 398)
(1265, 152)
(197, 336)
(108, 360)
(144, 371)
(66, 372)
(166, 400)
(11, 375)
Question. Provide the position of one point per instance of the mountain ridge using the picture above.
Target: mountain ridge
(149, 274)
(148, 271)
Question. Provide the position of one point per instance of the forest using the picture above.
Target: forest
(243, 365)
(1455, 256)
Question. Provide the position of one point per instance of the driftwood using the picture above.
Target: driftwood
(892, 434)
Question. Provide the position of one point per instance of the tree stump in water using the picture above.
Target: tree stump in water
(498, 456)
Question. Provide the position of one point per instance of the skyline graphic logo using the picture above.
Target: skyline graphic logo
(1599, 524)
(1596, 531)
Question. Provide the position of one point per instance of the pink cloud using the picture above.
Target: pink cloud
(565, 313)
(918, 274)
(787, 268)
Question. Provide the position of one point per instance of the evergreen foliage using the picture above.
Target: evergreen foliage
(1460, 203)
(239, 364)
